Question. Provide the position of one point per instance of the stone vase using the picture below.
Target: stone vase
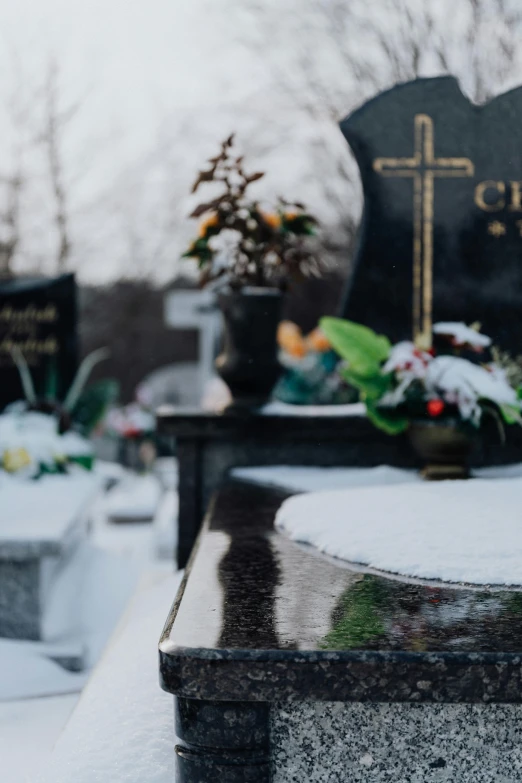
(444, 446)
(249, 364)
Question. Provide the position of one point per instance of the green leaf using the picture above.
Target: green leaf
(511, 414)
(387, 422)
(93, 403)
(51, 380)
(361, 347)
(372, 386)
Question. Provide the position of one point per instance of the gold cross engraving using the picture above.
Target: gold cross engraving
(423, 167)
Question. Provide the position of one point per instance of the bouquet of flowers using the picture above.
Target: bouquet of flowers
(31, 445)
(242, 243)
(456, 379)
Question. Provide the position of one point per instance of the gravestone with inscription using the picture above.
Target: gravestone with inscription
(441, 236)
(39, 317)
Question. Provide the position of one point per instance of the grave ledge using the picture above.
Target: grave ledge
(246, 585)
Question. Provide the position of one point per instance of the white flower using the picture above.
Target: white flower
(407, 360)
(244, 214)
(461, 334)
(225, 246)
(251, 224)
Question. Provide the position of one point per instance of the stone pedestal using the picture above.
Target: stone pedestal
(45, 523)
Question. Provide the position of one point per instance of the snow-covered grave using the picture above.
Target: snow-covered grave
(42, 526)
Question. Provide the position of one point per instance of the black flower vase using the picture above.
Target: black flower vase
(249, 364)
(444, 446)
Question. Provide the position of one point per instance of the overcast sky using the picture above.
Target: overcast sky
(144, 69)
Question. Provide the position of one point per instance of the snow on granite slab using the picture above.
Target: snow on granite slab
(136, 498)
(313, 479)
(123, 727)
(456, 531)
(277, 408)
(40, 514)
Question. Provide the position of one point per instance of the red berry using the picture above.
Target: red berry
(435, 407)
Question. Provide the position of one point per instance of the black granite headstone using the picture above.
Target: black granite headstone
(441, 236)
(39, 316)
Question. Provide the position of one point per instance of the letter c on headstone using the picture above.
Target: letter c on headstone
(480, 192)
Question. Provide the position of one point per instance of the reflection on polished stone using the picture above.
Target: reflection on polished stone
(252, 589)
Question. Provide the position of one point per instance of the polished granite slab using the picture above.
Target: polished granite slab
(210, 443)
(261, 618)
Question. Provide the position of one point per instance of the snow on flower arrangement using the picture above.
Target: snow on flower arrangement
(243, 244)
(31, 445)
(454, 380)
(42, 434)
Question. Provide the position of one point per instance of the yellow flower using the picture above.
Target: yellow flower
(272, 219)
(209, 222)
(16, 459)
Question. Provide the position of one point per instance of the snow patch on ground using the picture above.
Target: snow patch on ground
(123, 727)
(165, 526)
(38, 722)
(457, 531)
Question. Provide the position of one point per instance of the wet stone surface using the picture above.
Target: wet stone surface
(262, 618)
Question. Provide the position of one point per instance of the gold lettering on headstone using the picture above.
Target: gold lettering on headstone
(516, 197)
(22, 327)
(497, 229)
(480, 192)
(423, 167)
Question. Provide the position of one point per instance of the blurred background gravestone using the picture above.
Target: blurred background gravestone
(441, 235)
(39, 317)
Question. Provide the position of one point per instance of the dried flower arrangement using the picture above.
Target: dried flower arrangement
(240, 243)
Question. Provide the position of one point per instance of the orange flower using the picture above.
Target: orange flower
(291, 215)
(272, 219)
(317, 341)
(290, 339)
(209, 222)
